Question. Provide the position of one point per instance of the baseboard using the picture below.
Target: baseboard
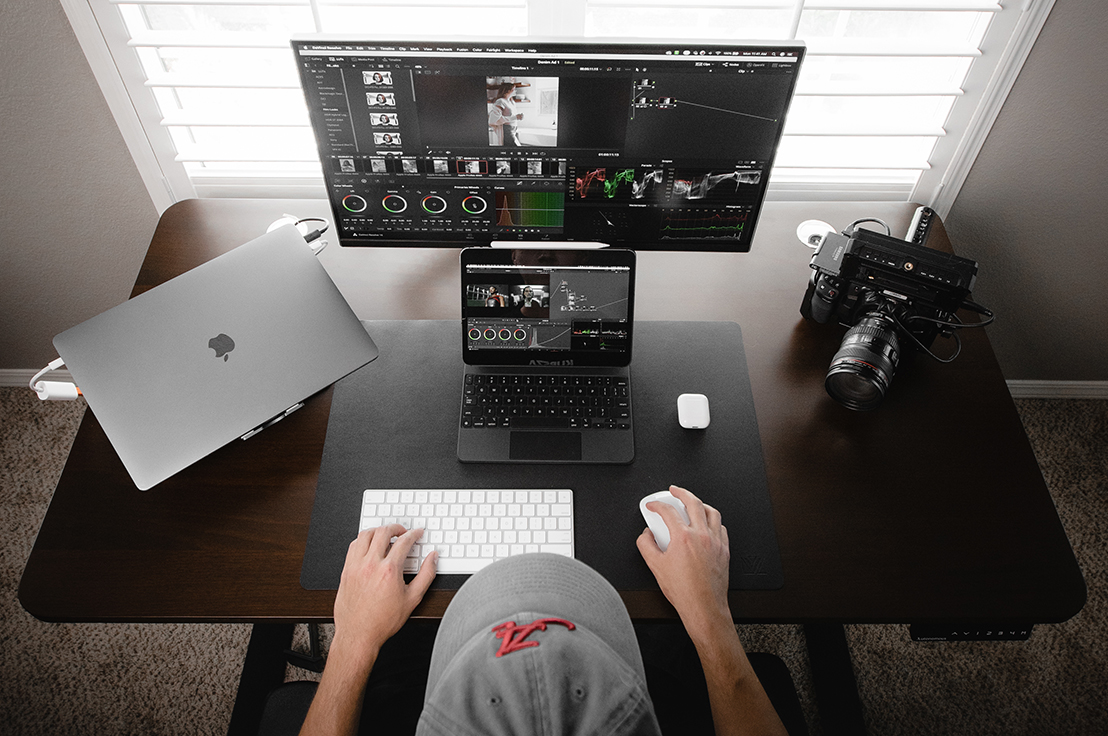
(1018, 389)
(1058, 389)
(21, 377)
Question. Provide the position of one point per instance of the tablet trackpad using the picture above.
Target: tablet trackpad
(545, 446)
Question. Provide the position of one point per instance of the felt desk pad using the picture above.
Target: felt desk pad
(394, 424)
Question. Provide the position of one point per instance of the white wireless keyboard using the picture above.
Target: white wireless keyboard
(474, 528)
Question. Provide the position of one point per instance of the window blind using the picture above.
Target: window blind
(892, 99)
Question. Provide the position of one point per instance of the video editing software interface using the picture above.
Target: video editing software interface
(637, 146)
(538, 304)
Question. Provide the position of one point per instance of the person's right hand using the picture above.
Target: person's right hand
(693, 575)
(693, 571)
(373, 601)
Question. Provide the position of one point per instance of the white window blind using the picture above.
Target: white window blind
(893, 101)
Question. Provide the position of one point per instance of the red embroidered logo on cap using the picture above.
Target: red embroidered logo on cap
(512, 637)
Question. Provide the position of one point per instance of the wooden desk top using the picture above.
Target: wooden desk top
(930, 509)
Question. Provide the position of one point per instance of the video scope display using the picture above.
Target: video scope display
(548, 309)
(635, 145)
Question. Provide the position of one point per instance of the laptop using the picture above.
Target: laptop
(546, 341)
(215, 354)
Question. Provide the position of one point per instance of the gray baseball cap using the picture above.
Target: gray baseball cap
(537, 644)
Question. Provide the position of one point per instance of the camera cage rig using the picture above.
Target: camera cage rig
(861, 271)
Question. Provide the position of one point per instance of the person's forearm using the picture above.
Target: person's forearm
(337, 706)
(739, 703)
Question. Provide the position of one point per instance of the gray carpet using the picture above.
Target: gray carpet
(170, 679)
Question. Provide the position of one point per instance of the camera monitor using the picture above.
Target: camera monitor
(637, 145)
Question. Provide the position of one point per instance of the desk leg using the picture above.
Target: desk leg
(263, 670)
(315, 659)
(836, 690)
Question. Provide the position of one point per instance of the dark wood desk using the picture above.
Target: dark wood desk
(931, 509)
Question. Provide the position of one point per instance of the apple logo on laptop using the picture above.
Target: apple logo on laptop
(222, 345)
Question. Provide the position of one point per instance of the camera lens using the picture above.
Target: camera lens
(862, 370)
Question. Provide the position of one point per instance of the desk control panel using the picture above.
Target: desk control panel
(472, 528)
(970, 632)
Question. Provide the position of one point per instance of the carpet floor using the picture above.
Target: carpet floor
(181, 679)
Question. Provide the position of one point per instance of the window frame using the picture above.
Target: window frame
(1012, 32)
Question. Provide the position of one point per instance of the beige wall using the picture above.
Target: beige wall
(1033, 210)
(75, 218)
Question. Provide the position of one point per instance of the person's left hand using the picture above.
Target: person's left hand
(373, 601)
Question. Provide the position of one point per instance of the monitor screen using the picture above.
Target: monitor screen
(528, 306)
(643, 146)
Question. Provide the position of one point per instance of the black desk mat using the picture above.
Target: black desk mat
(394, 424)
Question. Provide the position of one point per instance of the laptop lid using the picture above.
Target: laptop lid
(205, 358)
(547, 307)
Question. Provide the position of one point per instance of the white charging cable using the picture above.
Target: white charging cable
(54, 390)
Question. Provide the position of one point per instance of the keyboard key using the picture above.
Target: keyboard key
(539, 422)
(462, 566)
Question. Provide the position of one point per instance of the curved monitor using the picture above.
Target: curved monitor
(637, 145)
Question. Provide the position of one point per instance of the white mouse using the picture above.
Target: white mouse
(692, 411)
(654, 519)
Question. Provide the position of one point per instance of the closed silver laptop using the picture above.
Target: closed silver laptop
(214, 354)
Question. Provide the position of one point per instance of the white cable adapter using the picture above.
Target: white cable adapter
(54, 390)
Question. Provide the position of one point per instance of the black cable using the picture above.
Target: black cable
(924, 348)
(975, 307)
(953, 326)
(318, 232)
(959, 324)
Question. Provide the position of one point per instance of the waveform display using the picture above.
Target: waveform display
(701, 184)
(690, 224)
(646, 182)
(530, 209)
(599, 336)
(602, 182)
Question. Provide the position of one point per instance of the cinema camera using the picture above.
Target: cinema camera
(889, 293)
